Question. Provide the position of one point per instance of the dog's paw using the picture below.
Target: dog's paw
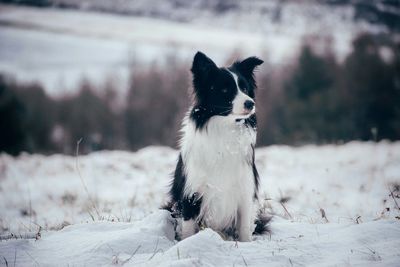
(245, 237)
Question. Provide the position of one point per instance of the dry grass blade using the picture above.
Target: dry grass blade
(38, 234)
(37, 263)
(5, 261)
(18, 236)
(245, 263)
(394, 199)
(83, 182)
(323, 214)
(133, 254)
(155, 250)
(287, 212)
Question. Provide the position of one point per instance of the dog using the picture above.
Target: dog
(216, 182)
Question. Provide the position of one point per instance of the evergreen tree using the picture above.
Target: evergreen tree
(372, 90)
(12, 119)
(309, 106)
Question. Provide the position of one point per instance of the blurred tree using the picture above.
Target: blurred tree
(12, 119)
(309, 109)
(326, 102)
(38, 3)
(39, 117)
(371, 90)
(270, 104)
(90, 117)
(156, 102)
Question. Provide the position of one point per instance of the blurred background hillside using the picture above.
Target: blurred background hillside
(116, 72)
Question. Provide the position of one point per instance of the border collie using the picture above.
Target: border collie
(216, 181)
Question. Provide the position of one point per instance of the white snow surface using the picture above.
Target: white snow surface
(350, 182)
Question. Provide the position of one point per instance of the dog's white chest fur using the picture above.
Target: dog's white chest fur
(218, 167)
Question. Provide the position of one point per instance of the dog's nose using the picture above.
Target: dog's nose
(249, 104)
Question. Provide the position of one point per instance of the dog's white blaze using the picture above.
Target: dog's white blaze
(238, 102)
(218, 166)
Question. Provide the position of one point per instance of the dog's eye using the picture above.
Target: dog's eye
(225, 90)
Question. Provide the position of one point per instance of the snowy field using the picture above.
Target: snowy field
(69, 45)
(60, 47)
(332, 206)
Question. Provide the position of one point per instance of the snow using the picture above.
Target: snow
(150, 242)
(59, 47)
(350, 182)
(69, 45)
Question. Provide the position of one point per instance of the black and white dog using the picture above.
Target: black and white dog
(216, 181)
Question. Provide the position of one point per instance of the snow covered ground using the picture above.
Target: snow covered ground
(68, 45)
(59, 47)
(102, 209)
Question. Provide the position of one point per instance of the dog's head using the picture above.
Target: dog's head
(223, 91)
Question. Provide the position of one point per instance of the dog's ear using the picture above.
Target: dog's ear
(247, 66)
(203, 70)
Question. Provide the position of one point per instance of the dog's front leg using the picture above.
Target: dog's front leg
(244, 224)
(189, 228)
(190, 210)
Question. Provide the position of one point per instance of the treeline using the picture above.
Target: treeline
(149, 114)
(321, 101)
(313, 100)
